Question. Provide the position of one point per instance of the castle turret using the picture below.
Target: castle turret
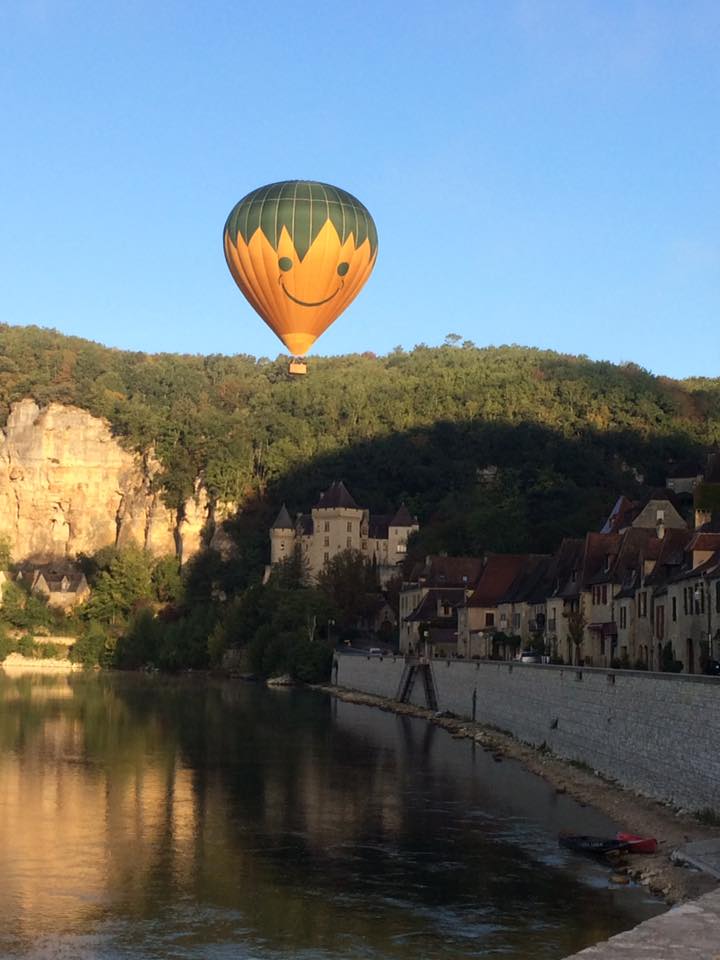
(282, 536)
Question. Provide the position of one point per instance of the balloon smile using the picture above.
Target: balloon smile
(304, 303)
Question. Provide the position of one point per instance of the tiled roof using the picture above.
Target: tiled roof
(403, 518)
(497, 577)
(427, 608)
(622, 515)
(567, 559)
(705, 541)
(438, 571)
(598, 548)
(530, 585)
(305, 523)
(283, 521)
(336, 496)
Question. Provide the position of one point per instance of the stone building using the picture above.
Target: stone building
(433, 595)
(479, 617)
(336, 523)
(63, 585)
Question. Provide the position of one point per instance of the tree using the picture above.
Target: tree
(121, 587)
(576, 623)
(350, 584)
(167, 580)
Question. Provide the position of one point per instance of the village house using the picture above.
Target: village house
(62, 585)
(523, 606)
(563, 597)
(479, 616)
(432, 596)
(336, 523)
(693, 598)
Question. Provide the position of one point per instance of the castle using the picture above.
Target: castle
(336, 523)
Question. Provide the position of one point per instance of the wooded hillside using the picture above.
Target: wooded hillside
(566, 433)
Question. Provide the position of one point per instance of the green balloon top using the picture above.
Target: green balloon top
(303, 207)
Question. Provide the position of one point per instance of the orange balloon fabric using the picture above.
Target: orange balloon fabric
(300, 251)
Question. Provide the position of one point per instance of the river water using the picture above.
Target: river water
(143, 817)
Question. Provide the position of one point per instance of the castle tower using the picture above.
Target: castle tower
(282, 537)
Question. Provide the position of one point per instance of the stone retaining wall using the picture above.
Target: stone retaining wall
(655, 733)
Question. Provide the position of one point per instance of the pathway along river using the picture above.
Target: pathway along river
(143, 817)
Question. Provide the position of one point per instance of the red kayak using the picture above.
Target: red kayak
(635, 844)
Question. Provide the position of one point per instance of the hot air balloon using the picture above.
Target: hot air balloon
(300, 251)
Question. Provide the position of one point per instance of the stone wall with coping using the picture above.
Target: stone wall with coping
(656, 733)
(379, 676)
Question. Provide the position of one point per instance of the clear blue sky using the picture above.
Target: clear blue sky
(542, 172)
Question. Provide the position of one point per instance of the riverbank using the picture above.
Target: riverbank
(16, 663)
(637, 814)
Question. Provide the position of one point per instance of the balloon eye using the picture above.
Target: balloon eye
(285, 264)
(343, 269)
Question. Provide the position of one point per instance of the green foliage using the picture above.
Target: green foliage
(121, 586)
(7, 644)
(576, 623)
(93, 647)
(502, 449)
(167, 580)
(668, 663)
(350, 584)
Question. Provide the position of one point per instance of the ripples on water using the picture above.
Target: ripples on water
(153, 818)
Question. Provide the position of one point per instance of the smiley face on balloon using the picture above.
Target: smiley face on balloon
(300, 251)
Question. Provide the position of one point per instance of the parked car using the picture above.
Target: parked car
(529, 656)
(375, 652)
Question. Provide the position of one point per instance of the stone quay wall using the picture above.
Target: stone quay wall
(656, 733)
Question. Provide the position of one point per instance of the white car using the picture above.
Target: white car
(529, 656)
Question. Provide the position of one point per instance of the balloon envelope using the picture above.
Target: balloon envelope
(300, 251)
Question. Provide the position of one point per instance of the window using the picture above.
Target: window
(489, 619)
(686, 600)
(364, 545)
(326, 542)
(674, 609)
(659, 622)
(326, 557)
(623, 617)
(349, 541)
(660, 515)
(401, 547)
(516, 620)
(327, 526)
(717, 597)
(642, 604)
(604, 593)
(282, 546)
(349, 526)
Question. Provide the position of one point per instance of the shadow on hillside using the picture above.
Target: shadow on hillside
(477, 485)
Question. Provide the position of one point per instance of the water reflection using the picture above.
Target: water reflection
(146, 817)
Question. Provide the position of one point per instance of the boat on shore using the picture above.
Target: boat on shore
(607, 846)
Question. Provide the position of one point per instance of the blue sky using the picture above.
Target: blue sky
(541, 172)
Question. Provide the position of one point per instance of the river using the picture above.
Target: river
(147, 817)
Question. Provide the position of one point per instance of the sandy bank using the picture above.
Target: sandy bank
(15, 663)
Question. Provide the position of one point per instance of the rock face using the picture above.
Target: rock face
(68, 487)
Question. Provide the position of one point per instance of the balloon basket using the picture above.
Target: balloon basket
(297, 368)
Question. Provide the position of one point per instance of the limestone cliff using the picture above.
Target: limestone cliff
(67, 487)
